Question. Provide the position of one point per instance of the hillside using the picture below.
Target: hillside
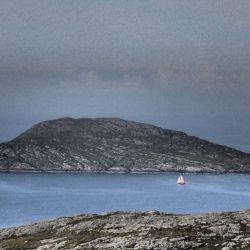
(130, 230)
(115, 145)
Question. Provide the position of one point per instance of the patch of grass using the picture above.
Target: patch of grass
(26, 242)
(74, 239)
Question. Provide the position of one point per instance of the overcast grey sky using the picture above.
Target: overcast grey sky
(178, 64)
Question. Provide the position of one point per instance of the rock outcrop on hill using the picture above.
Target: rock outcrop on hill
(115, 145)
(120, 230)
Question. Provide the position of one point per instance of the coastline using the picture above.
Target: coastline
(123, 172)
(133, 230)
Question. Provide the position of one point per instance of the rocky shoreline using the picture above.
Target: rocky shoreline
(129, 173)
(134, 230)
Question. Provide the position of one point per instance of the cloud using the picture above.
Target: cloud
(100, 34)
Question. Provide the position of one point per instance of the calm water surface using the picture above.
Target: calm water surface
(29, 197)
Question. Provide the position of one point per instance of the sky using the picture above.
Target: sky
(183, 65)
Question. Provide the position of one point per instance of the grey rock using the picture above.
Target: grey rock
(131, 230)
(115, 145)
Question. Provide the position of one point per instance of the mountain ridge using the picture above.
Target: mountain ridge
(115, 145)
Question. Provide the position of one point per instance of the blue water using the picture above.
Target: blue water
(29, 197)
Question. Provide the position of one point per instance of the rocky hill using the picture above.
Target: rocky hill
(115, 145)
(120, 230)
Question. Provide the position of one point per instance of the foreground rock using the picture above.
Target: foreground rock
(115, 145)
(120, 230)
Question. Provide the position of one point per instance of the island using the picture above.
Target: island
(116, 145)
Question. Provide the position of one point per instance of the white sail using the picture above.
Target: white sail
(179, 180)
(182, 179)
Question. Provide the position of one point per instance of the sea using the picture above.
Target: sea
(31, 197)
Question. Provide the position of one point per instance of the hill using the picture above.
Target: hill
(115, 145)
(131, 230)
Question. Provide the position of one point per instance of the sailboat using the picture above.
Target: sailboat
(181, 180)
